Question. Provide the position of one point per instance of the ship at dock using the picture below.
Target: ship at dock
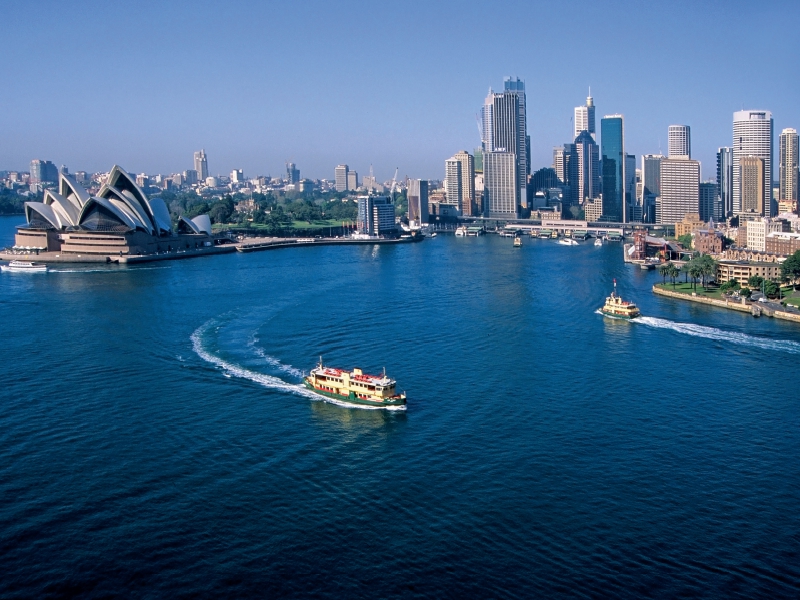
(354, 387)
(617, 308)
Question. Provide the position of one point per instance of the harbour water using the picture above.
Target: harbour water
(154, 440)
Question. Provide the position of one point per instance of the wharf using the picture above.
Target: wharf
(753, 308)
(58, 258)
(256, 244)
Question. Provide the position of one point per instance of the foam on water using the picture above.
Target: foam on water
(712, 333)
(267, 381)
(271, 360)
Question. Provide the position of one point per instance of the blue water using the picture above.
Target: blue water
(154, 441)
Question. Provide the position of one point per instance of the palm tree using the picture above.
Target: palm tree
(673, 273)
(663, 270)
(695, 272)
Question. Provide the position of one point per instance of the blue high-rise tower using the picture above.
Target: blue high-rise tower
(612, 142)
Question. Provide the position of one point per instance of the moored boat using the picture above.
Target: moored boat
(354, 387)
(22, 266)
(567, 242)
(618, 308)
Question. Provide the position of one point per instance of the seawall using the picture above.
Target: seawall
(786, 316)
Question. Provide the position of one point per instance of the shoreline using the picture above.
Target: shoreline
(746, 308)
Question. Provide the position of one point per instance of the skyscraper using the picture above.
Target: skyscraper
(340, 177)
(651, 185)
(584, 117)
(516, 86)
(352, 180)
(454, 182)
(560, 163)
(710, 206)
(201, 165)
(587, 168)
(679, 141)
(725, 180)
(292, 173)
(751, 182)
(612, 140)
(630, 189)
(680, 189)
(43, 171)
(468, 205)
(500, 185)
(788, 164)
(418, 201)
(752, 136)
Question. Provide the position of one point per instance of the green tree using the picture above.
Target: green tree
(708, 268)
(791, 269)
(730, 286)
(754, 282)
(663, 270)
(695, 272)
(685, 240)
(673, 273)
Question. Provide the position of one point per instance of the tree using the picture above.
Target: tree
(730, 286)
(791, 269)
(708, 267)
(754, 282)
(673, 273)
(695, 272)
(663, 270)
(685, 240)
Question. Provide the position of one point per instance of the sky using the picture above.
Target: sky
(394, 85)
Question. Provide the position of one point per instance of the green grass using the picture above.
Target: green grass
(688, 289)
(791, 297)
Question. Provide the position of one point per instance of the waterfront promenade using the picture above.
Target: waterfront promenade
(768, 309)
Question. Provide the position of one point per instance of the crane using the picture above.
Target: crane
(394, 182)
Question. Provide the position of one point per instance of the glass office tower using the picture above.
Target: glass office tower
(613, 153)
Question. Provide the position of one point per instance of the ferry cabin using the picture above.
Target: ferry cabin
(365, 387)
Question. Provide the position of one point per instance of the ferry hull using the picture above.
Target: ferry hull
(616, 316)
(353, 399)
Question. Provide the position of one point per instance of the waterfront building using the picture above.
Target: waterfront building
(468, 203)
(680, 189)
(741, 271)
(710, 206)
(453, 181)
(752, 136)
(782, 242)
(418, 201)
(352, 180)
(201, 165)
(751, 184)
(758, 230)
(587, 166)
(292, 173)
(500, 185)
(788, 166)
(340, 178)
(679, 141)
(584, 118)
(376, 215)
(725, 180)
(612, 140)
(43, 171)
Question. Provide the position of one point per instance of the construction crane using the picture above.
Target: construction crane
(394, 183)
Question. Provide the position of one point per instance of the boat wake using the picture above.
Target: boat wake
(712, 333)
(275, 383)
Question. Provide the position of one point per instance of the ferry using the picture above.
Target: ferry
(567, 242)
(461, 231)
(517, 242)
(21, 266)
(618, 308)
(354, 387)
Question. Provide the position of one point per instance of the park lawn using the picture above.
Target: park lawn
(791, 297)
(316, 224)
(688, 289)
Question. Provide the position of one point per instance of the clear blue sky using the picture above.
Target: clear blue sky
(144, 84)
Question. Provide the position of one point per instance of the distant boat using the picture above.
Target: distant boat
(21, 266)
(617, 308)
(433, 235)
(567, 242)
(461, 231)
(517, 242)
(598, 241)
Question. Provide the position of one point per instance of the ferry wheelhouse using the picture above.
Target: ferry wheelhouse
(355, 387)
(618, 308)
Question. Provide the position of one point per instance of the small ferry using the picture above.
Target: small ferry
(22, 266)
(355, 387)
(461, 231)
(598, 241)
(618, 308)
(567, 242)
(517, 242)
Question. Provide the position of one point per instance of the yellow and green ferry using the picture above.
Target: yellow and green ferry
(354, 387)
(618, 308)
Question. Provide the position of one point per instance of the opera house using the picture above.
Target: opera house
(119, 220)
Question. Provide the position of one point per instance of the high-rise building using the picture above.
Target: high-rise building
(340, 175)
(516, 86)
(725, 180)
(418, 201)
(680, 189)
(201, 164)
(560, 160)
(752, 136)
(454, 182)
(500, 185)
(587, 167)
(651, 171)
(584, 117)
(570, 171)
(679, 141)
(752, 190)
(788, 165)
(43, 171)
(710, 207)
(612, 140)
(190, 176)
(292, 173)
(478, 159)
(237, 176)
(468, 199)
(630, 189)
(375, 215)
(352, 180)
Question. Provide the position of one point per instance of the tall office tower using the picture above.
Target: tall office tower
(584, 117)
(454, 182)
(418, 201)
(292, 173)
(352, 180)
(504, 129)
(612, 140)
(478, 159)
(680, 189)
(376, 215)
(560, 163)
(752, 136)
(190, 176)
(788, 165)
(237, 176)
(468, 200)
(725, 180)
(500, 185)
(630, 189)
(651, 172)
(43, 171)
(340, 178)
(680, 141)
(201, 165)
(710, 207)
(751, 181)
(569, 158)
(587, 159)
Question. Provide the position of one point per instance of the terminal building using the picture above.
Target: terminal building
(119, 220)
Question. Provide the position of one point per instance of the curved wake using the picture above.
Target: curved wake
(267, 381)
(712, 333)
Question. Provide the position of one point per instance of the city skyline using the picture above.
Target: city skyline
(238, 107)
